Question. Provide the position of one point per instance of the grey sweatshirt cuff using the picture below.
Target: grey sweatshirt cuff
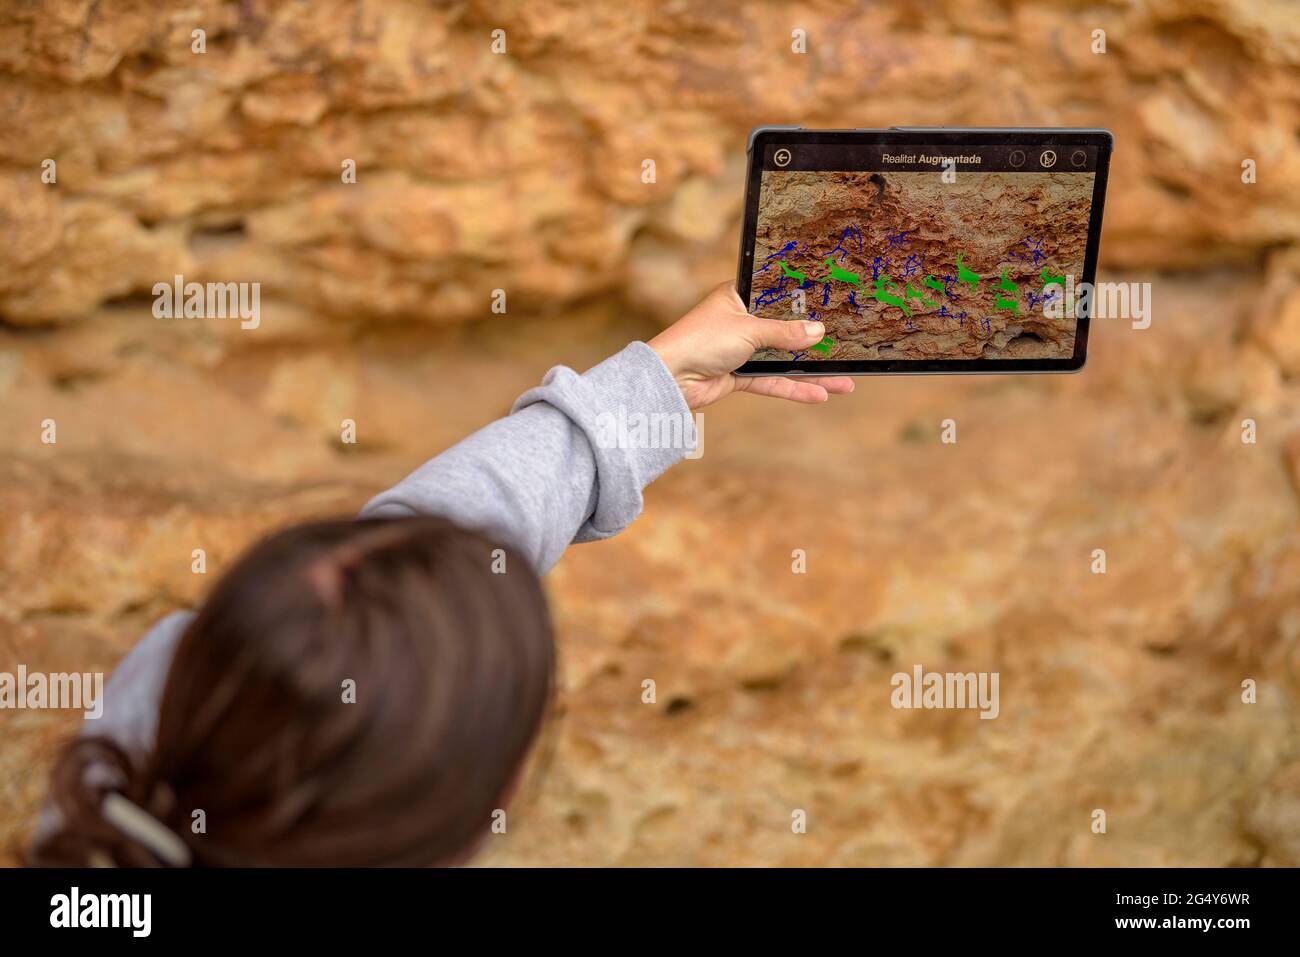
(637, 423)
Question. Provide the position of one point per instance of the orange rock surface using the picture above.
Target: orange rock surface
(523, 171)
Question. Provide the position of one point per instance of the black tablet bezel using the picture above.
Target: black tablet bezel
(763, 137)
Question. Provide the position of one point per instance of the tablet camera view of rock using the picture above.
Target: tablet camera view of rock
(902, 265)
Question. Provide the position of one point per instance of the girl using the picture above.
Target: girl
(365, 692)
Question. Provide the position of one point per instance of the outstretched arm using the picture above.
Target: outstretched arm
(566, 465)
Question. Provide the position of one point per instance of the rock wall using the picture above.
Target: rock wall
(473, 165)
(523, 171)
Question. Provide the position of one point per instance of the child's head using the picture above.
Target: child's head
(352, 693)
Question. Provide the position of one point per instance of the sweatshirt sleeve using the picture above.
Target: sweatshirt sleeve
(567, 464)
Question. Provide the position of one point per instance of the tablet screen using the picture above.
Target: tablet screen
(954, 254)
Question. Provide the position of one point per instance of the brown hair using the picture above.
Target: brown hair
(453, 667)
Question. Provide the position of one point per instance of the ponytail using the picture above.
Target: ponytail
(111, 816)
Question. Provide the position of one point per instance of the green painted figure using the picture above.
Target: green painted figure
(965, 275)
(1007, 286)
(843, 275)
(910, 293)
(1048, 278)
(883, 283)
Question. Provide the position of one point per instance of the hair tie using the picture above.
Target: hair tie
(145, 829)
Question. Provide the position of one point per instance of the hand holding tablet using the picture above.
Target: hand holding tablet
(923, 250)
(704, 347)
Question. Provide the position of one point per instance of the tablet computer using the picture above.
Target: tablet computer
(924, 249)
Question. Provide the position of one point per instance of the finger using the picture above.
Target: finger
(728, 290)
(788, 334)
(834, 384)
(724, 293)
(780, 387)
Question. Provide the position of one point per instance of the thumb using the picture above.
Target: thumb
(786, 333)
